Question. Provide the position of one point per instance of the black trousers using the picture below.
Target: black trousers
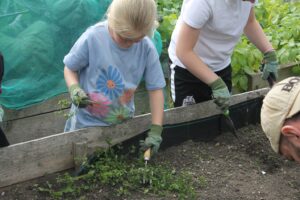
(3, 140)
(188, 89)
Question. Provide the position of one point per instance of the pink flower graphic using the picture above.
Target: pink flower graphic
(99, 106)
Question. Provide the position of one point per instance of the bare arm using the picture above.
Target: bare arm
(71, 77)
(187, 39)
(157, 106)
(256, 35)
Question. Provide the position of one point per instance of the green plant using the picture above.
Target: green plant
(125, 174)
(280, 21)
(63, 105)
(168, 10)
(296, 70)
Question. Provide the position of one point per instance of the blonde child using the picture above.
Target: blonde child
(106, 64)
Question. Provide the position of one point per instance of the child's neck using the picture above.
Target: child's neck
(118, 40)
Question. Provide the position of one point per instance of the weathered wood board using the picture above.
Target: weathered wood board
(255, 81)
(47, 118)
(53, 153)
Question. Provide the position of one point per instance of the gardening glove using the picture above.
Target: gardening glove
(78, 96)
(220, 94)
(153, 139)
(269, 65)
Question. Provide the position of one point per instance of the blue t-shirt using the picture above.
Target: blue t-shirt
(110, 75)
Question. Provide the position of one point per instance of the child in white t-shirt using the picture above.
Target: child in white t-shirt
(202, 44)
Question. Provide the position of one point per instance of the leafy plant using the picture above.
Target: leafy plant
(280, 21)
(63, 105)
(125, 174)
(168, 11)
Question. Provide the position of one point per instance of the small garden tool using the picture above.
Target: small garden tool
(147, 155)
(271, 78)
(229, 122)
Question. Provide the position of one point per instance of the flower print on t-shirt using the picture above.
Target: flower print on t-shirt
(117, 115)
(127, 96)
(100, 104)
(110, 83)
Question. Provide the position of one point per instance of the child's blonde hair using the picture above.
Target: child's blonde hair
(132, 18)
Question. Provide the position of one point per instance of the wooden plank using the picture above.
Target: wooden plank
(35, 158)
(79, 154)
(30, 128)
(207, 109)
(46, 119)
(46, 106)
(255, 81)
(51, 105)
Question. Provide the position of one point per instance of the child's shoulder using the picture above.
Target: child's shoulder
(100, 25)
(96, 28)
(147, 43)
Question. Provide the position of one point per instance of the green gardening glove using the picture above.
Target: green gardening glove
(153, 139)
(220, 94)
(269, 65)
(78, 96)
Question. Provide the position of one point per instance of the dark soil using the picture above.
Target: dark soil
(232, 169)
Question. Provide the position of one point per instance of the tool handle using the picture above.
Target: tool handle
(147, 154)
(226, 113)
(271, 79)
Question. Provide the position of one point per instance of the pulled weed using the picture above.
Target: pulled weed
(124, 174)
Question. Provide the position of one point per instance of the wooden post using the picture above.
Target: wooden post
(80, 150)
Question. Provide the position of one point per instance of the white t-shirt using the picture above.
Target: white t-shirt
(221, 22)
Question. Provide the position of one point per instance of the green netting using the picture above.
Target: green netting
(34, 37)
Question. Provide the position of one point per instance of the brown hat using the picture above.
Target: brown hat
(281, 102)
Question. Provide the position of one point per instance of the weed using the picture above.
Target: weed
(63, 105)
(124, 175)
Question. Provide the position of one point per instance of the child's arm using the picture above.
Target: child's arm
(78, 96)
(71, 77)
(154, 138)
(156, 98)
(187, 40)
(256, 35)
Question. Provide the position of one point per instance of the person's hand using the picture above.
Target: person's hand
(153, 139)
(220, 94)
(78, 96)
(269, 65)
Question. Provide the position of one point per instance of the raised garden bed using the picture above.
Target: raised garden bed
(228, 169)
(223, 167)
(56, 152)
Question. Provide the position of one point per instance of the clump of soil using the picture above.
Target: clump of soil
(229, 168)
